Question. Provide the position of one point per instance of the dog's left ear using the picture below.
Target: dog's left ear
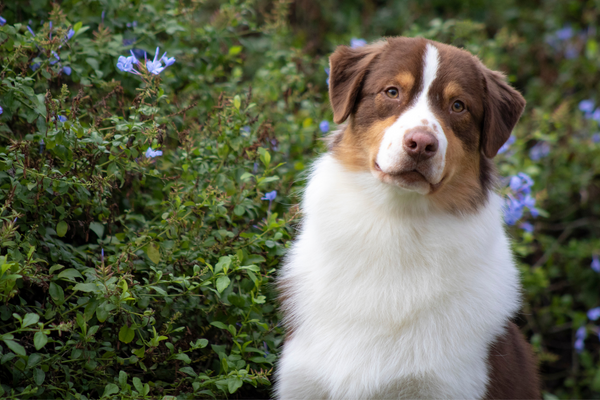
(348, 68)
(503, 107)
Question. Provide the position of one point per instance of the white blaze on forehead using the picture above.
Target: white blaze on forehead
(391, 151)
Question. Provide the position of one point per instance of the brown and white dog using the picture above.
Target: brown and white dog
(401, 283)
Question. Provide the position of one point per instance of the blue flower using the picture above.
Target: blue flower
(30, 30)
(2, 21)
(270, 196)
(67, 70)
(125, 64)
(70, 34)
(103, 14)
(327, 72)
(245, 131)
(527, 227)
(580, 335)
(571, 52)
(35, 66)
(102, 255)
(153, 153)
(594, 313)
(155, 66)
(55, 59)
(324, 126)
(587, 106)
(513, 211)
(565, 33)
(168, 61)
(521, 183)
(62, 118)
(1, 110)
(596, 138)
(354, 43)
(595, 263)
(539, 151)
(506, 145)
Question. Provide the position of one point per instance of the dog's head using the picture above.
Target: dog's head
(423, 116)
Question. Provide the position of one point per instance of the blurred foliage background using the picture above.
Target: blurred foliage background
(144, 216)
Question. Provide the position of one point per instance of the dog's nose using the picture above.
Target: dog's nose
(420, 145)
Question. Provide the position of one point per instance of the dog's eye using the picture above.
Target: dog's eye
(458, 106)
(392, 93)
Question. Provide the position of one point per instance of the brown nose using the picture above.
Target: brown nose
(420, 145)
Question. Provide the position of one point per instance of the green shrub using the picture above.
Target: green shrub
(138, 249)
(129, 274)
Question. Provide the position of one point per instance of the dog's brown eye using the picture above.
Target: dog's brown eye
(392, 93)
(458, 106)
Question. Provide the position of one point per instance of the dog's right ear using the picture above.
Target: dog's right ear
(348, 67)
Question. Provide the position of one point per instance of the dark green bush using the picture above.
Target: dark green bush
(127, 274)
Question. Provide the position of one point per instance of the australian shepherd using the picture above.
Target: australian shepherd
(401, 283)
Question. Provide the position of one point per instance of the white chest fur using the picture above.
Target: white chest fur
(388, 298)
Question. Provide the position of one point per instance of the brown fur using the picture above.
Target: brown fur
(358, 81)
(513, 370)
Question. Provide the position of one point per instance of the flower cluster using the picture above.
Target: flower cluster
(519, 199)
(150, 153)
(539, 151)
(54, 57)
(155, 66)
(567, 41)
(581, 333)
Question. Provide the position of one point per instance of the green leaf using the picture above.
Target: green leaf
(234, 50)
(93, 63)
(110, 389)
(219, 324)
(97, 228)
(39, 376)
(153, 253)
(234, 384)
(102, 313)
(222, 283)
(596, 381)
(126, 334)
(182, 357)
(86, 287)
(137, 383)
(57, 293)
(15, 347)
(224, 263)
(188, 370)
(237, 101)
(61, 228)
(39, 340)
(30, 319)
(122, 379)
(70, 274)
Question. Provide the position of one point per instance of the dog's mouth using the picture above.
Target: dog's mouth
(408, 179)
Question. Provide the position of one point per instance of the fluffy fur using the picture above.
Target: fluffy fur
(390, 297)
(401, 283)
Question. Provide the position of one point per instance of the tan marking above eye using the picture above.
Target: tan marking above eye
(406, 80)
(452, 90)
